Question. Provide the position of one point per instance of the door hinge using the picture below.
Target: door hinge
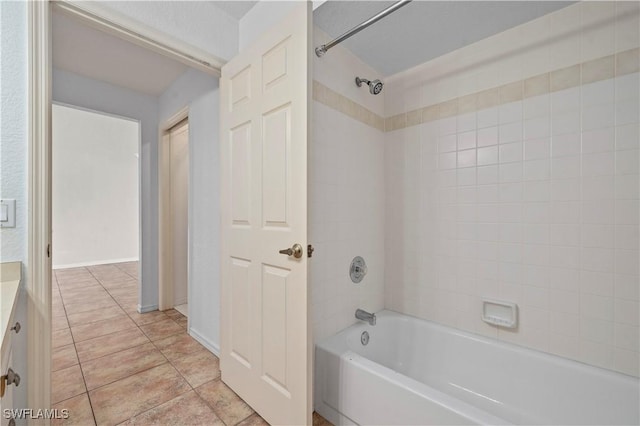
(310, 250)
(48, 250)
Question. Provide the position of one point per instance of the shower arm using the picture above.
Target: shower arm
(321, 50)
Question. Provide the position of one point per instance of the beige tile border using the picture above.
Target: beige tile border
(611, 66)
(335, 100)
(622, 63)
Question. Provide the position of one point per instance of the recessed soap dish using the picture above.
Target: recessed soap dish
(499, 313)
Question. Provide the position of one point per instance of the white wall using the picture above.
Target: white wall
(521, 184)
(13, 163)
(200, 92)
(94, 188)
(72, 89)
(346, 198)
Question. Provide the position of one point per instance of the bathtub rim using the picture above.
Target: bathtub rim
(337, 344)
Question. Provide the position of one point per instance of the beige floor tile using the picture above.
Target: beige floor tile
(61, 338)
(66, 383)
(187, 410)
(59, 322)
(101, 328)
(58, 311)
(130, 308)
(131, 284)
(173, 314)
(63, 357)
(127, 291)
(198, 367)
(95, 315)
(148, 317)
(77, 308)
(126, 300)
(254, 420)
(161, 329)
(111, 343)
(80, 413)
(183, 323)
(82, 291)
(79, 296)
(225, 403)
(80, 284)
(116, 366)
(87, 298)
(178, 345)
(121, 400)
(318, 420)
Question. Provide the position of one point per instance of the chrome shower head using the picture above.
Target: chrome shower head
(375, 86)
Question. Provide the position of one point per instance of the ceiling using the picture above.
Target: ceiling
(236, 9)
(91, 53)
(423, 30)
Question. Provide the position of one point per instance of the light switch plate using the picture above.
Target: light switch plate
(7, 213)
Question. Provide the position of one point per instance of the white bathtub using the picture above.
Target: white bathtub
(417, 372)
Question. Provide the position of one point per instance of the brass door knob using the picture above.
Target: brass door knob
(295, 251)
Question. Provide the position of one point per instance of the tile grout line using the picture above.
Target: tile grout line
(167, 360)
(86, 390)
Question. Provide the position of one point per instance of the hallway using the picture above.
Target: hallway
(112, 365)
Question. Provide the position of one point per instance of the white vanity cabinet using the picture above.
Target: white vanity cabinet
(10, 275)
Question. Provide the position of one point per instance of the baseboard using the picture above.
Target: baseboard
(148, 308)
(213, 347)
(95, 262)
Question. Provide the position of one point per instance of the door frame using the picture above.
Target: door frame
(165, 234)
(39, 100)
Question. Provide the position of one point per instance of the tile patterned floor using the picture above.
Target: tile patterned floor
(112, 365)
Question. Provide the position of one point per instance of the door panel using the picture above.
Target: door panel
(179, 148)
(266, 345)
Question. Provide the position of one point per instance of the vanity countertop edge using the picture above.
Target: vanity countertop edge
(10, 276)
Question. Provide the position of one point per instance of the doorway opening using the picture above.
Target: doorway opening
(95, 190)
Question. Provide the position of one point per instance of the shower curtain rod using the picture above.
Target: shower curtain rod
(321, 50)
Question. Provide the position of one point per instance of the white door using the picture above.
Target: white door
(179, 147)
(265, 339)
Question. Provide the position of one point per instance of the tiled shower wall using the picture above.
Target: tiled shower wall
(346, 191)
(512, 173)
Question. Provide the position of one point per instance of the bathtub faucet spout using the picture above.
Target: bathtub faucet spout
(366, 316)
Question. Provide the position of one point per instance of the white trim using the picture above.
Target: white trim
(213, 347)
(95, 262)
(148, 308)
(38, 280)
(104, 19)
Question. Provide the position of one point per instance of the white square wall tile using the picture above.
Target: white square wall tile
(487, 117)
(510, 152)
(598, 164)
(511, 132)
(598, 116)
(487, 136)
(626, 312)
(627, 112)
(627, 137)
(467, 158)
(599, 140)
(627, 162)
(537, 149)
(466, 140)
(596, 330)
(568, 144)
(487, 155)
(537, 169)
(510, 112)
(536, 128)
